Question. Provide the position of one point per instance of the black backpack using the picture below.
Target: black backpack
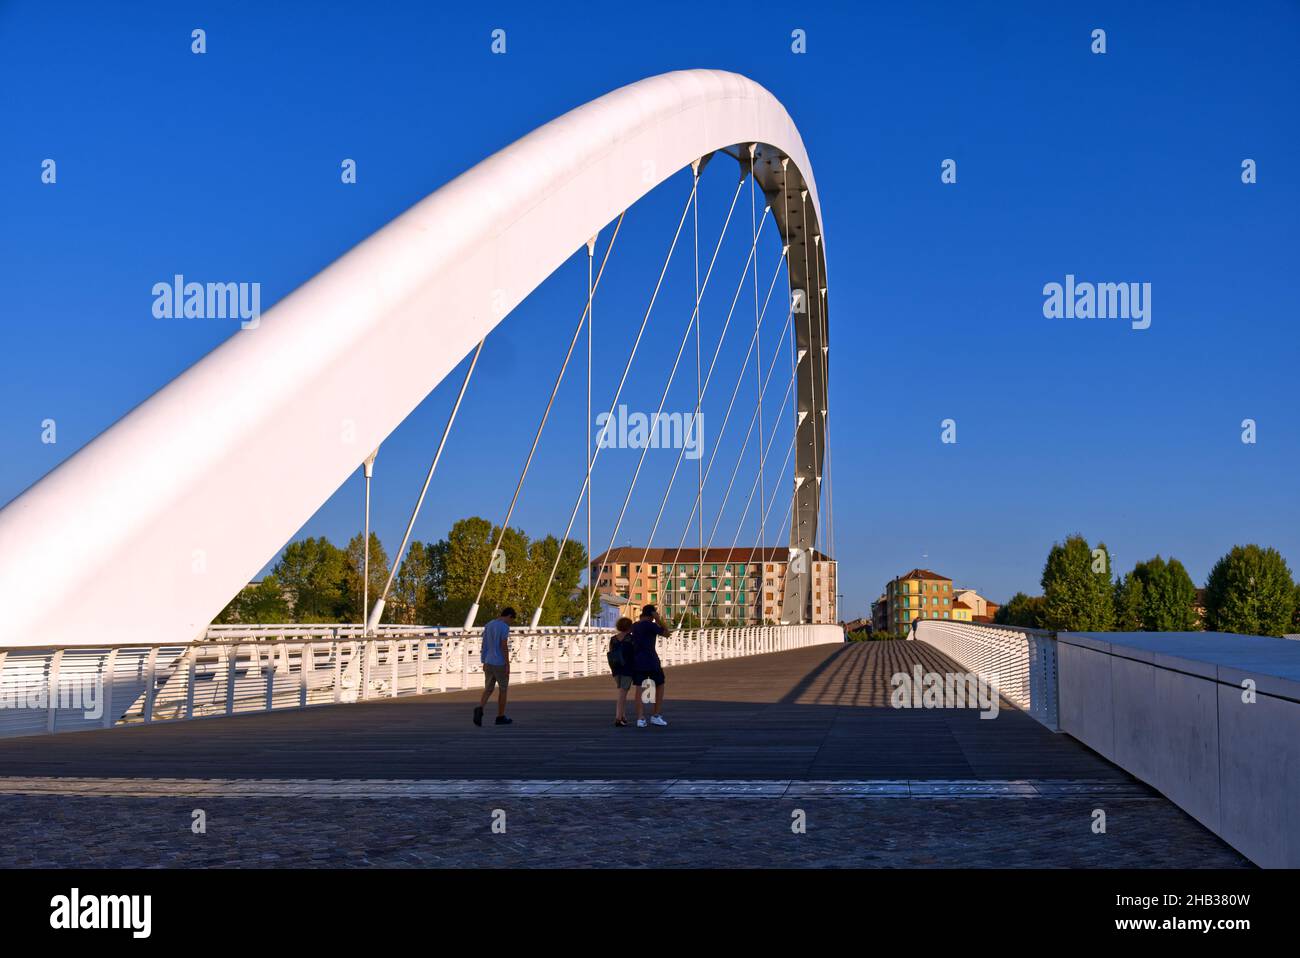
(619, 656)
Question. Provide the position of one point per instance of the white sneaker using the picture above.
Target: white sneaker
(658, 720)
(640, 723)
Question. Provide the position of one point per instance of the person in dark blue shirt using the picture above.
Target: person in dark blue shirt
(646, 667)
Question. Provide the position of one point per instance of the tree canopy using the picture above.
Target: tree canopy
(316, 582)
(1077, 592)
(1250, 590)
(1022, 610)
(1157, 596)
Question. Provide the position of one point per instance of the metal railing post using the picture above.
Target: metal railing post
(270, 676)
(336, 650)
(52, 690)
(305, 666)
(110, 670)
(192, 656)
(232, 653)
(150, 665)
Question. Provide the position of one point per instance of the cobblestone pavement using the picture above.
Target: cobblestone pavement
(77, 832)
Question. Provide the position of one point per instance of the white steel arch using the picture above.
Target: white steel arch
(146, 533)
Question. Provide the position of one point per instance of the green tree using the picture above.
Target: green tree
(1077, 592)
(434, 610)
(1128, 603)
(313, 571)
(566, 598)
(264, 603)
(1021, 610)
(354, 573)
(1166, 596)
(463, 557)
(409, 598)
(1250, 590)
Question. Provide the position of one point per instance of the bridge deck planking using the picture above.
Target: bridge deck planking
(809, 714)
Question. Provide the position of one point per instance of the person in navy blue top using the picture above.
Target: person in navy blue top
(646, 668)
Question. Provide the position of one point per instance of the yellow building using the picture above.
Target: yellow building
(920, 594)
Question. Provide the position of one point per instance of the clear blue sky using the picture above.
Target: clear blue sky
(1119, 167)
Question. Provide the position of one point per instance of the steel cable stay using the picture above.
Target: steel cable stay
(693, 324)
(748, 501)
(766, 510)
(600, 441)
(736, 469)
(700, 390)
(586, 428)
(378, 610)
(708, 471)
(758, 378)
(740, 458)
(473, 611)
(727, 418)
(663, 504)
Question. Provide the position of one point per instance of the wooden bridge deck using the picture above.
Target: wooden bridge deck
(820, 713)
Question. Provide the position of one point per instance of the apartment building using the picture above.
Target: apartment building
(742, 586)
(981, 609)
(920, 594)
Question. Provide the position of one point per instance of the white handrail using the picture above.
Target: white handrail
(1021, 661)
(258, 668)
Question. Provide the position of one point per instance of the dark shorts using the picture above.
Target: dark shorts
(623, 681)
(494, 675)
(655, 675)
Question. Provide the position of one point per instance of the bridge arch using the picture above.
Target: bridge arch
(145, 533)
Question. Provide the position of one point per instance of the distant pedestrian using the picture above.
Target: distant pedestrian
(645, 663)
(620, 657)
(495, 657)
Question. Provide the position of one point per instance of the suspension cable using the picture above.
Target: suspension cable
(586, 430)
(749, 499)
(699, 391)
(682, 452)
(693, 324)
(740, 458)
(708, 471)
(600, 441)
(473, 610)
(378, 610)
(758, 378)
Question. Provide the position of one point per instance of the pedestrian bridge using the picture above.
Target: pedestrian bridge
(788, 714)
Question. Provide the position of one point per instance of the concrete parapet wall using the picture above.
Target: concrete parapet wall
(1173, 709)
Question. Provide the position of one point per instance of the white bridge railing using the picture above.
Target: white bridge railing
(235, 670)
(1021, 661)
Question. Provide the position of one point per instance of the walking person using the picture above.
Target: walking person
(496, 664)
(620, 656)
(646, 666)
